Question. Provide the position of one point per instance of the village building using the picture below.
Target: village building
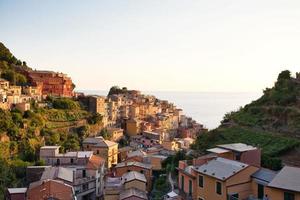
(146, 169)
(82, 170)
(96, 104)
(16, 194)
(51, 83)
(239, 152)
(133, 194)
(104, 148)
(116, 134)
(50, 189)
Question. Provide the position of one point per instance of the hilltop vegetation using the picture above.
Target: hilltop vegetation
(272, 122)
(8, 64)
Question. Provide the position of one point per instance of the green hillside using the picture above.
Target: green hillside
(62, 122)
(272, 122)
(8, 65)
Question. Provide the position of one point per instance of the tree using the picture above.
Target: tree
(10, 76)
(105, 134)
(83, 131)
(95, 118)
(286, 74)
(21, 79)
(65, 103)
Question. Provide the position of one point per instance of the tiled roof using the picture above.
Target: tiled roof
(133, 192)
(264, 175)
(240, 147)
(136, 153)
(138, 164)
(52, 185)
(95, 162)
(133, 175)
(99, 142)
(221, 168)
(58, 172)
(288, 179)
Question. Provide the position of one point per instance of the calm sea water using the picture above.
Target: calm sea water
(207, 108)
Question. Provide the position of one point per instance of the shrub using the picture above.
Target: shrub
(65, 103)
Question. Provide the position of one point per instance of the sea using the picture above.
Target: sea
(207, 108)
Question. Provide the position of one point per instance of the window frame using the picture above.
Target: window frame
(202, 182)
(221, 192)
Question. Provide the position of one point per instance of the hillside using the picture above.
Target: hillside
(60, 121)
(272, 122)
(8, 65)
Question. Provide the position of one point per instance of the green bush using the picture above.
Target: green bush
(65, 103)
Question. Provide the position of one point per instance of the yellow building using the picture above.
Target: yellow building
(218, 179)
(170, 145)
(285, 185)
(115, 133)
(133, 127)
(97, 104)
(103, 148)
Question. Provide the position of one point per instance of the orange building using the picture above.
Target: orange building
(52, 83)
(218, 179)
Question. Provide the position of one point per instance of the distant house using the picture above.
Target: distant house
(134, 179)
(115, 133)
(16, 194)
(239, 152)
(50, 189)
(133, 194)
(217, 179)
(146, 169)
(104, 148)
(285, 185)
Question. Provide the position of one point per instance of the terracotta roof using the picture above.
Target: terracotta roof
(95, 162)
(53, 187)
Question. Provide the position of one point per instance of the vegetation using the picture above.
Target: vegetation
(8, 64)
(161, 186)
(117, 90)
(272, 122)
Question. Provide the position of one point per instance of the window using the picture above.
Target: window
(57, 162)
(260, 191)
(201, 181)
(98, 152)
(289, 196)
(238, 156)
(182, 182)
(72, 160)
(218, 188)
(83, 173)
(190, 187)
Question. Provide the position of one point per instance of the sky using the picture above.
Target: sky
(157, 45)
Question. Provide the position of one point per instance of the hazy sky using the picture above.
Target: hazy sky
(186, 45)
